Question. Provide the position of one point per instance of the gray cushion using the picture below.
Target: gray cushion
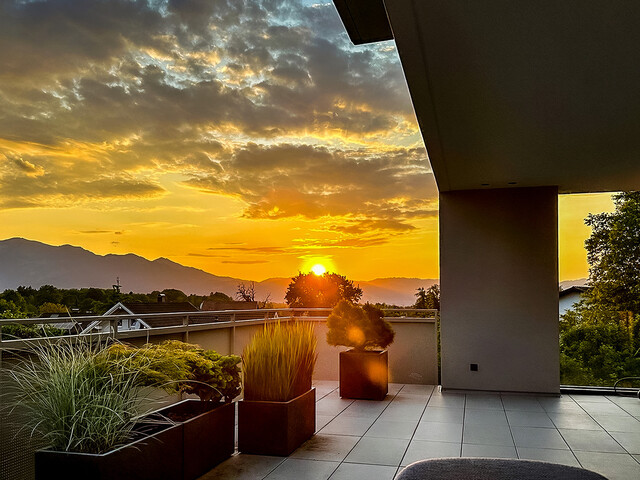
(493, 469)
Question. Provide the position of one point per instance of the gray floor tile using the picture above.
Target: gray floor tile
(574, 421)
(439, 432)
(554, 404)
(590, 398)
(423, 449)
(453, 400)
(538, 438)
(630, 441)
(590, 441)
(615, 423)
(614, 466)
(487, 435)
(390, 429)
(425, 390)
(631, 408)
(521, 403)
(378, 451)
(326, 447)
(245, 467)
(484, 401)
(361, 471)
(529, 419)
(402, 412)
(493, 451)
(442, 414)
(474, 416)
(344, 425)
(330, 405)
(322, 420)
(394, 388)
(609, 408)
(410, 399)
(564, 457)
(295, 469)
(365, 408)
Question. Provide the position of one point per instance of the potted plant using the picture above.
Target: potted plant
(364, 369)
(278, 411)
(208, 424)
(86, 400)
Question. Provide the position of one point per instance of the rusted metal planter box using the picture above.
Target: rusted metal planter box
(208, 433)
(185, 450)
(158, 455)
(364, 375)
(276, 428)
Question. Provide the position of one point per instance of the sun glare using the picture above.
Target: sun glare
(318, 269)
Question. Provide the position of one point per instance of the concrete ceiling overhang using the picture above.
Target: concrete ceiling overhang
(525, 93)
(365, 20)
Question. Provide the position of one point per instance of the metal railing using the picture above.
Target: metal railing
(186, 322)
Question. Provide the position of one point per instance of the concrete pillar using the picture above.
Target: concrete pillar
(499, 287)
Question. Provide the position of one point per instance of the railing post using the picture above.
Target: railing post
(232, 339)
(114, 328)
(185, 334)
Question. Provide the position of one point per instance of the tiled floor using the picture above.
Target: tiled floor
(370, 440)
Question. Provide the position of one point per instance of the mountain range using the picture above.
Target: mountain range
(31, 263)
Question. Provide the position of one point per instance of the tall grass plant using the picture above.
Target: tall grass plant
(278, 362)
(75, 399)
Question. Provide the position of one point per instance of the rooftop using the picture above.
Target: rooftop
(360, 439)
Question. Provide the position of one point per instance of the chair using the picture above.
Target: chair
(493, 469)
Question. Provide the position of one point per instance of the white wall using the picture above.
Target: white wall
(568, 301)
(499, 287)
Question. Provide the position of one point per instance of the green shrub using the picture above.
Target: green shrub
(279, 361)
(182, 367)
(362, 328)
(15, 331)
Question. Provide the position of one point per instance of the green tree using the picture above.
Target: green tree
(48, 294)
(600, 337)
(613, 253)
(428, 299)
(326, 290)
(52, 308)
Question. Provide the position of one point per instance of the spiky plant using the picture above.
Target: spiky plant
(75, 400)
(279, 361)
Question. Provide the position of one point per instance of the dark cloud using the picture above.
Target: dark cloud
(381, 191)
(104, 92)
(260, 250)
(244, 262)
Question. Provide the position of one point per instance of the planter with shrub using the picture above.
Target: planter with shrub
(278, 412)
(364, 369)
(86, 400)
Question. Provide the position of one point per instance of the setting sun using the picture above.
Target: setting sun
(318, 269)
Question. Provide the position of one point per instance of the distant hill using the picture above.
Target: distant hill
(570, 283)
(31, 263)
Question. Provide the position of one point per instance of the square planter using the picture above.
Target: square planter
(364, 375)
(157, 455)
(276, 428)
(202, 437)
(208, 430)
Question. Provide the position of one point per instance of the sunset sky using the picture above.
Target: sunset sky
(247, 138)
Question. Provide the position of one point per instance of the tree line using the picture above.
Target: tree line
(600, 336)
(26, 302)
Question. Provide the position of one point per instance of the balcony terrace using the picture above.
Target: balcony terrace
(360, 439)
(373, 440)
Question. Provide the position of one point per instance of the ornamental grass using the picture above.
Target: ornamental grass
(76, 401)
(278, 362)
